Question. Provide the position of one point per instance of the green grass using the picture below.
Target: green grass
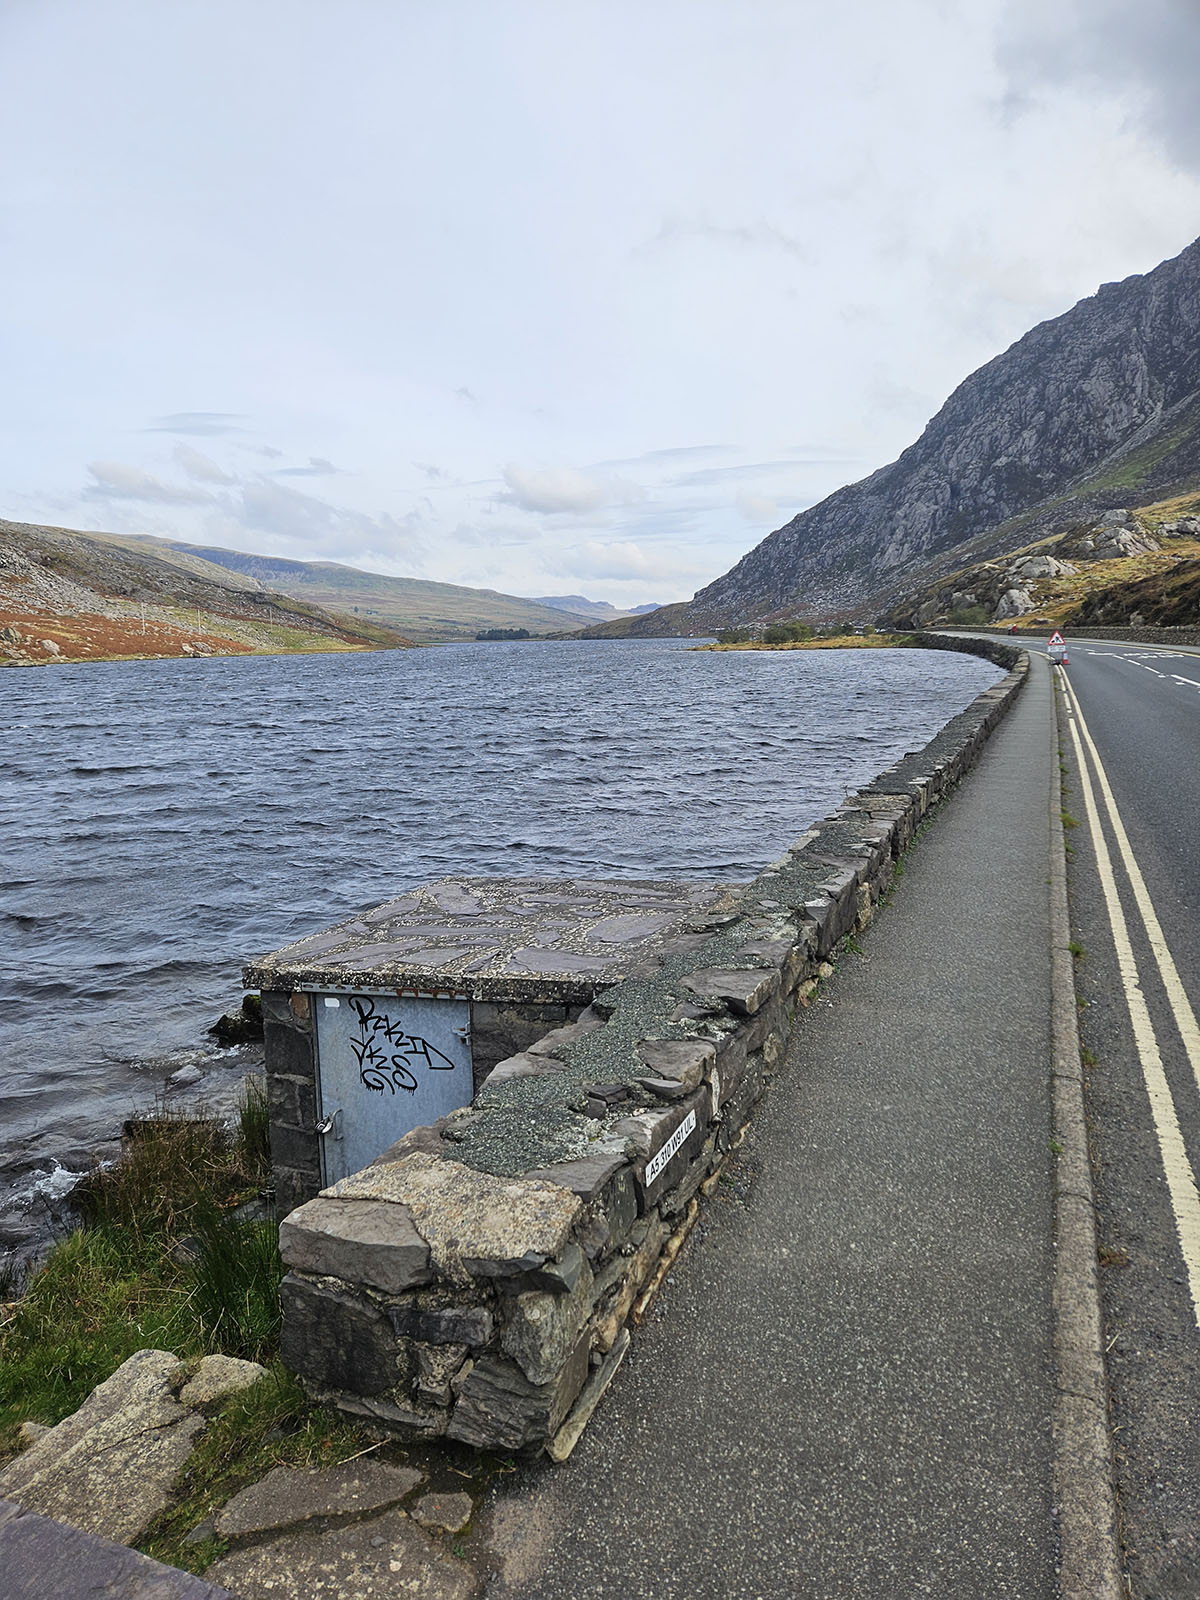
(1138, 464)
(160, 1263)
(235, 1283)
(101, 1294)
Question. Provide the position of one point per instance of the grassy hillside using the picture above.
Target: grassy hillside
(90, 597)
(424, 611)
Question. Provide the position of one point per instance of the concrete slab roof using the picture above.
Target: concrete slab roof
(503, 938)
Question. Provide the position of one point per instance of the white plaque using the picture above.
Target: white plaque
(672, 1147)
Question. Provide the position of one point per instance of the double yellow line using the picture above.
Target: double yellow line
(1181, 1179)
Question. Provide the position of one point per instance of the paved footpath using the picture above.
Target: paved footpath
(847, 1386)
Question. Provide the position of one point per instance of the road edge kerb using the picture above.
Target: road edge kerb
(1085, 1485)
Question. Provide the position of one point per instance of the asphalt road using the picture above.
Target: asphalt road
(1141, 707)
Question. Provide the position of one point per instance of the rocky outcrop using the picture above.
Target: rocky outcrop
(1003, 591)
(110, 1467)
(1111, 383)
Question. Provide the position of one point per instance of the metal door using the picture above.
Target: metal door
(386, 1064)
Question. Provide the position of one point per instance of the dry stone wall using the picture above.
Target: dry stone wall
(477, 1280)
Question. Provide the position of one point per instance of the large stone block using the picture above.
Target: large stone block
(293, 1186)
(297, 1148)
(363, 1241)
(669, 1139)
(686, 1062)
(500, 1409)
(476, 1225)
(585, 1177)
(288, 1038)
(336, 1338)
(526, 1064)
(292, 1101)
(541, 1328)
(110, 1467)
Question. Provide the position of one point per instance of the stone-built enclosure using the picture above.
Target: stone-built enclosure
(476, 1279)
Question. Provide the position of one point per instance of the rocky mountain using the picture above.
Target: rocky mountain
(1090, 411)
(86, 596)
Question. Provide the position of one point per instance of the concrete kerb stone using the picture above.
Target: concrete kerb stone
(1085, 1484)
(470, 1279)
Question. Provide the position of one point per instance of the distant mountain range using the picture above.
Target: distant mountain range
(599, 609)
(425, 611)
(127, 594)
(1095, 410)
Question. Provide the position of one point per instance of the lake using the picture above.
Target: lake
(164, 820)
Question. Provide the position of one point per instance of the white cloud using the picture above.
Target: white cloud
(622, 559)
(114, 480)
(318, 467)
(554, 490)
(199, 466)
(760, 510)
(203, 424)
(336, 532)
(827, 265)
(1147, 54)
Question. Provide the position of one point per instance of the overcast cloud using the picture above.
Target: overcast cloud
(538, 297)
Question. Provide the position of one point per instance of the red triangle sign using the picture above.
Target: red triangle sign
(1057, 638)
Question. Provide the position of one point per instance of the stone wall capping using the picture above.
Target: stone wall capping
(745, 989)
(369, 1241)
(475, 1281)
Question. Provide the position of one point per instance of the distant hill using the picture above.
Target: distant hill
(597, 610)
(66, 595)
(424, 611)
(578, 606)
(1097, 409)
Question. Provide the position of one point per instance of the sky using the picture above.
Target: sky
(552, 298)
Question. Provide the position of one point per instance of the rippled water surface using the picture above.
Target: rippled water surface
(162, 821)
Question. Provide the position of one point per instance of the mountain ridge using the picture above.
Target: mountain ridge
(424, 609)
(1031, 434)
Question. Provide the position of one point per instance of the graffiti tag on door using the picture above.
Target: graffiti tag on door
(388, 1057)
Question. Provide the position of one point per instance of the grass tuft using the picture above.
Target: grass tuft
(236, 1278)
(253, 1137)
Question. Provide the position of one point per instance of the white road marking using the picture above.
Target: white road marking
(1181, 1180)
(1195, 682)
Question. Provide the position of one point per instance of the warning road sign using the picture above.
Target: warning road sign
(1057, 638)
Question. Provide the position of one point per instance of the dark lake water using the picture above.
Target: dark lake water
(163, 821)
